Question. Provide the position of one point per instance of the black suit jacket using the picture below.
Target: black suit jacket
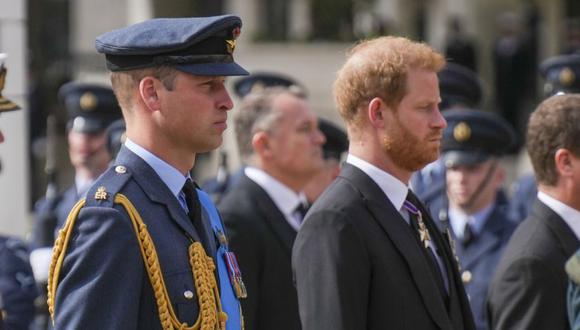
(262, 240)
(528, 290)
(358, 265)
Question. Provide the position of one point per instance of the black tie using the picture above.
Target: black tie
(301, 210)
(194, 208)
(427, 252)
(468, 234)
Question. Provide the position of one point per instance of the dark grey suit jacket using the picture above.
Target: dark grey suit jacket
(358, 265)
(262, 240)
(528, 290)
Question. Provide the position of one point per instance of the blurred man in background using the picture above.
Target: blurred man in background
(281, 145)
(17, 287)
(477, 207)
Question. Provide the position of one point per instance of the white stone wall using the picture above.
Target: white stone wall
(14, 215)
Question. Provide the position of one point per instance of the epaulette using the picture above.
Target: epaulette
(111, 182)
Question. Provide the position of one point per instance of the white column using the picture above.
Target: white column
(14, 192)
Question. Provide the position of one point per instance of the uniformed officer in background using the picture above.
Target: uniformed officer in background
(461, 88)
(477, 207)
(17, 287)
(561, 76)
(145, 249)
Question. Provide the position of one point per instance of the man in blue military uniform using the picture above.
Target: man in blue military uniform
(17, 287)
(146, 250)
(477, 207)
(562, 76)
(91, 108)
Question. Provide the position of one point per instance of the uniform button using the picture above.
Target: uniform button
(466, 277)
(121, 169)
(188, 294)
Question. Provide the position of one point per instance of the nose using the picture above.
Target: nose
(438, 120)
(319, 138)
(225, 101)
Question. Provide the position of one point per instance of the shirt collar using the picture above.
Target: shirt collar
(458, 219)
(283, 197)
(395, 189)
(570, 215)
(168, 174)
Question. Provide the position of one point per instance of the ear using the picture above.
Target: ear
(148, 90)
(564, 163)
(261, 144)
(375, 112)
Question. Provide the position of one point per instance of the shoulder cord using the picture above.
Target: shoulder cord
(211, 315)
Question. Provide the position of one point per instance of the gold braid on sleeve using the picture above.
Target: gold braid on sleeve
(211, 316)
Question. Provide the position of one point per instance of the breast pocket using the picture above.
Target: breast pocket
(181, 289)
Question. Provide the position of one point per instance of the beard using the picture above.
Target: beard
(406, 150)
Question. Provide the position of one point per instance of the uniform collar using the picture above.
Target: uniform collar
(283, 197)
(570, 215)
(459, 219)
(168, 174)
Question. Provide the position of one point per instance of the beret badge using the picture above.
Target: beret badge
(461, 132)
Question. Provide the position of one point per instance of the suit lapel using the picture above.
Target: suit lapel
(557, 225)
(270, 213)
(156, 190)
(402, 236)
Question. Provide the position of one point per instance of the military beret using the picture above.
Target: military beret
(561, 74)
(459, 86)
(5, 104)
(195, 45)
(336, 139)
(472, 136)
(91, 108)
(259, 81)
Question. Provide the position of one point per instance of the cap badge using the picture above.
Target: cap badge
(5, 104)
(88, 101)
(462, 132)
(567, 77)
(231, 45)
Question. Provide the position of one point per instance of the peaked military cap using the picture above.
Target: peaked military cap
(5, 104)
(459, 87)
(472, 136)
(561, 74)
(336, 139)
(196, 45)
(258, 81)
(91, 108)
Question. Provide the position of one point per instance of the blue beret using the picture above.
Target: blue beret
(91, 108)
(561, 74)
(258, 81)
(459, 87)
(472, 136)
(196, 45)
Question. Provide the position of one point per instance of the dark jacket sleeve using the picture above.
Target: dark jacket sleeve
(101, 277)
(332, 273)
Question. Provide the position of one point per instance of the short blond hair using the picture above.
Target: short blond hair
(378, 68)
(123, 82)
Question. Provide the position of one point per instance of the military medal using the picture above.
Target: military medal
(235, 275)
(422, 229)
(233, 269)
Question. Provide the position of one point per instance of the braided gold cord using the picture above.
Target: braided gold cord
(58, 253)
(211, 315)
